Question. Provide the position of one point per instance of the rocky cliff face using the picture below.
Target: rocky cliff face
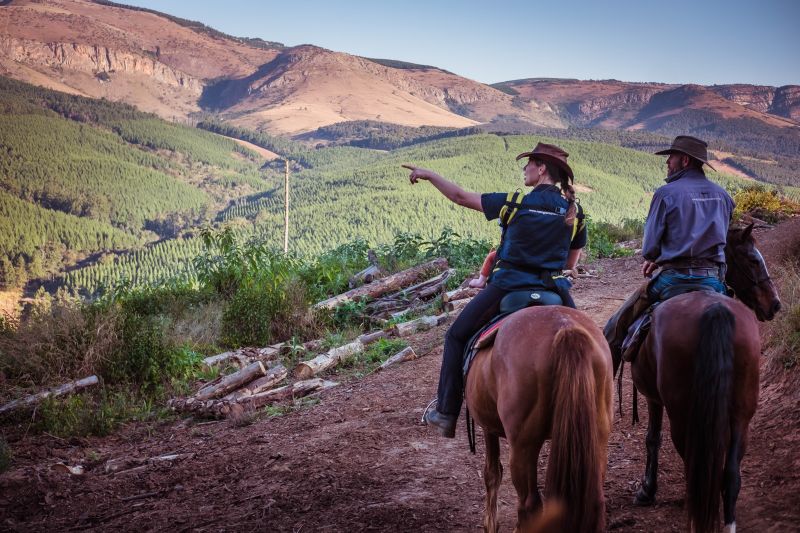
(757, 97)
(786, 102)
(591, 110)
(96, 59)
(782, 101)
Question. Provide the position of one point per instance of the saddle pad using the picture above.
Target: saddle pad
(486, 338)
(483, 338)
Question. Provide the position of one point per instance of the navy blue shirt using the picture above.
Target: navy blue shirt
(688, 219)
(537, 239)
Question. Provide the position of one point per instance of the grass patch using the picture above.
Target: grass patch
(98, 414)
(366, 362)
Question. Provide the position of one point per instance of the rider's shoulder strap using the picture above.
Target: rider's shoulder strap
(580, 221)
(510, 208)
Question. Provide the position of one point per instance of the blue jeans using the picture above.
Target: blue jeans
(669, 278)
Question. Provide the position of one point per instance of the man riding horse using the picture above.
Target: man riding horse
(684, 236)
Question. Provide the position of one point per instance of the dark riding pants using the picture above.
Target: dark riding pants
(451, 377)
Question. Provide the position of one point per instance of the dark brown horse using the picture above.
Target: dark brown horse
(548, 376)
(700, 362)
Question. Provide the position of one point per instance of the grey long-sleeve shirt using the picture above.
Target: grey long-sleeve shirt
(688, 219)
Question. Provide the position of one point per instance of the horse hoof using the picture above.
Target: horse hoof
(642, 499)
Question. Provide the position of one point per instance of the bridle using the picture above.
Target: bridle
(761, 276)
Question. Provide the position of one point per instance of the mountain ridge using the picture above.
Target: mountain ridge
(182, 69)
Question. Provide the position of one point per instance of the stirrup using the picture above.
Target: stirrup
(428, 408)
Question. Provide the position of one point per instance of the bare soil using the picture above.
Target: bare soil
(358, 459)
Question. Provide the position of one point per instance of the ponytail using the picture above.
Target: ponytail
(569, 193)
(558, 174)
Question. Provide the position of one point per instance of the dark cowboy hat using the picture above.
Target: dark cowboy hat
(550, 153)
(691, 146)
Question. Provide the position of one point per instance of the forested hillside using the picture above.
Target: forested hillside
(350, 193)
(82, 176)
(79, 176)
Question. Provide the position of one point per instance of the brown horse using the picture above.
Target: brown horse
(700, 362)
(548, 375)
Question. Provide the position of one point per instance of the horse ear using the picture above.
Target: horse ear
(747, 231)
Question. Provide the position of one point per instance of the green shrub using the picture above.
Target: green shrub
(603, 239)
(330, 273)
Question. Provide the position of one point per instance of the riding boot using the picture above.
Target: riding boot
(617, 327)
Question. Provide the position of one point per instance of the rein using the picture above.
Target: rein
(470, 431)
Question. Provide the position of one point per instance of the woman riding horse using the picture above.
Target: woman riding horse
(543, 233)
(549, 373)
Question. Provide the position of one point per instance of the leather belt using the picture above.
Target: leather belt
(690, 263)
(695, 267)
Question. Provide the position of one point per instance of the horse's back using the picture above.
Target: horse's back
(671, 351)
(513, 381)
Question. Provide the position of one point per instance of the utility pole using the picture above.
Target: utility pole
(286, 209)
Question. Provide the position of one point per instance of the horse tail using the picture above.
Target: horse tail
(577, 455)
(709, 418)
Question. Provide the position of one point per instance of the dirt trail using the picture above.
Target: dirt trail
(359, 460)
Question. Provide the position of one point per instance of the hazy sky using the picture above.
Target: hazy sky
(678, 41)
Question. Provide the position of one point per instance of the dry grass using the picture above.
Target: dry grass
(783, 334)
(202, 326)
(57, 343)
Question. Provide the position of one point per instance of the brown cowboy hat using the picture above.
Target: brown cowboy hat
(691, 146)
(550, 153)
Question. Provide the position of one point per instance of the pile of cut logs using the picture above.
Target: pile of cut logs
(252, 386)
(259, 373)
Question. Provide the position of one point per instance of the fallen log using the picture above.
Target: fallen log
(33, 399)
(384, 285)
(420, 324)
(275, 375)
(244, 356)
(123, 464)
(297, 390)
(232, 382)
(368, 275)
(406, 354)
(424, 287)
(369, 338)
(329, 359)
(459, 294)
(225, 408)
(456, 305)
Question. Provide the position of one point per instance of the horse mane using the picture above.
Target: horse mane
(577, 457)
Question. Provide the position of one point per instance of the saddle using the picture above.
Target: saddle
(511, 303)
(637, 332)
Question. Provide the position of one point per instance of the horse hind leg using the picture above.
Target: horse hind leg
(646, 495)
(732, 481)
(523, 464)
(492, 475)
